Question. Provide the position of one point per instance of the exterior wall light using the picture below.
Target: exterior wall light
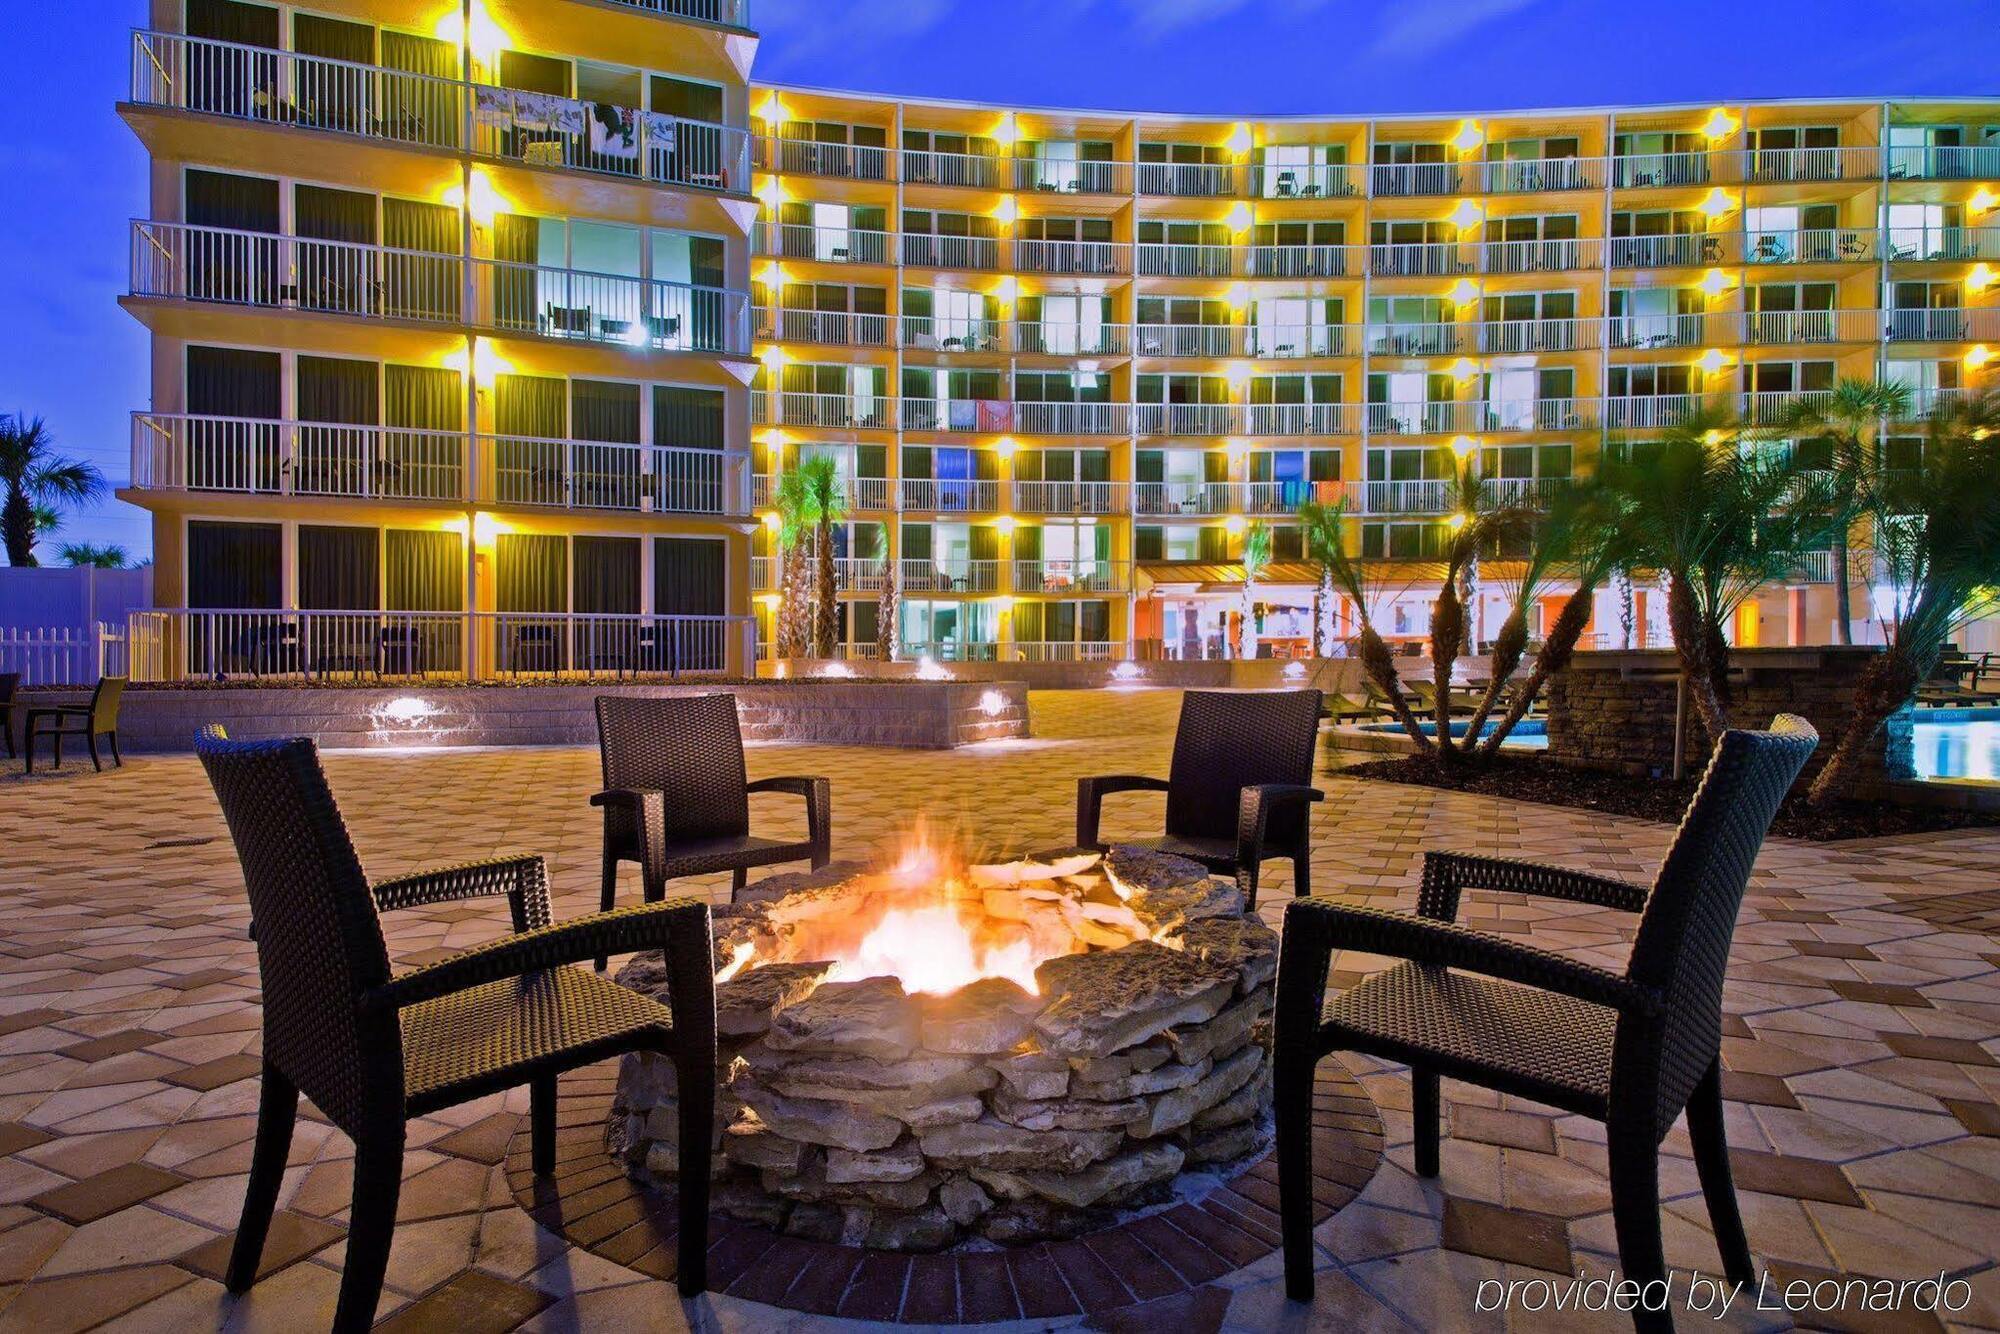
(1719, 125)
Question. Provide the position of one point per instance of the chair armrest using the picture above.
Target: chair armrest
(1090, 794)
(674, 926)
(1448, 873)
(1254, 807)
(818, 793)
(1420, 940)
(524, 880)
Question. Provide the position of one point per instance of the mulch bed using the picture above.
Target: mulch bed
(1659, 799)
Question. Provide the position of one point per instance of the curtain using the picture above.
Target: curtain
(427, 398)
(222, 199)
(1027, 544)
(333, 215)
(426, 570)
(534, 74)
(339, 568)
(234, 384)
(688, 418)
(1028, 623)
(516, 240)
(333, 39)
(529, 405)
(687, 99)
(337, 459)
(428, 452)
(419, 104)
(604, 410)
(417, 286)
(529, 413)
(688, 576)
(985, 543)
(231, 21)
(234, 565)
(224, 267)
(606, 576)
(530, 572)
(343, 278)
(1095, 618)
(232, 82)
(337, 98)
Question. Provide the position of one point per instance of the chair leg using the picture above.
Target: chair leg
(542, 1124)
(1246, 884)
(1711, 1160)
(1291, 1100)
(1302, 874)
(1424, 1116)
(739, 880)
(697, 1131)
(371, 1226)
(277, 1113)
(1635, 1213)
(607, 894)
(116, 758)
(90, 742)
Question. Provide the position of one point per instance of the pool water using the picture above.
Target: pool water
(1528, 734)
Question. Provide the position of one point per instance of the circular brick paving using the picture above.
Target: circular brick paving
(591, 1203)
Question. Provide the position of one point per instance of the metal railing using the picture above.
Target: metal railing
(1286, 497)
(1301, 419)
(1942, 243)
(543, 130)
(731, 13)
(1193, 498)
(1771, 407)
(1415, 178)
(1973, 162)
(1640, 170)
(1324, 180)
(1812, 326)
(602, 475)
(1300, 261)
(222, 264)
(1533, 492)
(980, 170)
(1069, 340)
(1083, 257)
(1419, 417)
(1168, 259)
(1206, 180)
(925, 250)
(864, 162)
(1418, 259)
(614, 308)
(1555, 335)
(834, 327)
(1943, 325)
(1299, 340)
(949, 575)
(1072, 418)
(801, 408)
(831, 245)
(185, 452)
(1840, 163)
(1412, 340)
(1687, 249)
(1065, 650)
(931, 495)
(1188, 340)
(1412, 497)
(1187, 418)
(1535, 414)
(953, 335)
(1041, 497)
(1647, 411)
(1551, 256)
(1070, 576)
(1071, 176)
(1819, 245)
(1627, 332)
(1532, 175)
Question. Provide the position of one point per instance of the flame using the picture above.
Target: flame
(931, 949)
(738, 961)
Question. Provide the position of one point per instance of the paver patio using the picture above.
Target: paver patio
(1864, 1007)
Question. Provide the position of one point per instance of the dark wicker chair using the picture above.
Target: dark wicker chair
(1238, 790)
(1630, 1049)
(10, 686)
(99, 718)
(373, 1050)
(673, 768)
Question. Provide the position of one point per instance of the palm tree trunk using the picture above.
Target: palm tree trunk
(796, 607)
(1556, 652)
(1694, 648)
(17, 523)
(1247, 635)
(826, 605)
(1447, 637)
(885, 615)
(1380, 665)
(1885, 686)
(1508, 648)
(1843, 592)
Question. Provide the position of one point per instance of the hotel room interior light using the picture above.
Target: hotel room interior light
(1469, 137)
(1715, 282)
(1719, 125)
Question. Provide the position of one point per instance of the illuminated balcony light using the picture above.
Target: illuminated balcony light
(1467, 215)
(1713, 437)
(1006, 448)
(1464, 446)
(482, 35)
(1236, 448)
(1717, 203)
(1008, 210)
(485, 528)
(484, 203)
(1719, 125)
(1464, 369)
(1469, 137)
(1006, 132)
(1238, 296)
(772, 111)
(772, 521)
(1238, 375)
(1006, 523)
(1713, 360)
(1006, 290)
(1715, 282)
(772, 600)
(1238, 218)
(770, 193)
(1233, 525)
(1978, 357)
(773, 357)
(772, 274)
(1455, 522)
(1464, 292)
(1239, 139)
(1981, 278)
(1983, 201)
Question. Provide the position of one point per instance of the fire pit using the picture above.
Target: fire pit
(935, 1050)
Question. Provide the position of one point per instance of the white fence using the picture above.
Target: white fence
(62, 655)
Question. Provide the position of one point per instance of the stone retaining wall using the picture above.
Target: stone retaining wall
(933, 715)
(1342, 674)
(1615, 710)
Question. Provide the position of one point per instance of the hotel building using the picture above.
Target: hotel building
(483, 336)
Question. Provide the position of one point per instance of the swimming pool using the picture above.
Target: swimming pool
(1528, 734)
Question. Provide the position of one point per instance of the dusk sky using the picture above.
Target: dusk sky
(75, 174)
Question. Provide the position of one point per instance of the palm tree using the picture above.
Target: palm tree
(888, 633)
(1720, 518)
(1256, 559)
(1848, 420)
(110, 557)
(1320, 532)
(792, 502)
(825, 500)
(38, 481)
(1356, 578)
(1937, 537)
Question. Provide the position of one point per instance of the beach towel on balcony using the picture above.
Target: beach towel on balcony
(614, 132)
(961, 415)
(661, 130)
(995, 414)
(493, 106)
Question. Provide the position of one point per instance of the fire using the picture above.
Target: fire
(931, 948)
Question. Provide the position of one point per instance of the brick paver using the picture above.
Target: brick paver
(1863, 1011)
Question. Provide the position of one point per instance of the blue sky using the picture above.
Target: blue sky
(75, 173)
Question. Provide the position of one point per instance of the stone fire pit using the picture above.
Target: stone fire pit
(1114, 1034)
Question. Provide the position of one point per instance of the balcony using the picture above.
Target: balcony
(762, 487)
(945, 574)
(980, 171)
(730, 13)
(1326, 180)
(836, 328)
(1069, 340)
(608, 308)
(1425, 259)
(1540, 175)
(1070, 576)
(1420, 417)
(1526, 492)
(1392, 180)
(1688, 250)
(1765, 165)
(926, 495)
(1829, 245)
(178, 452)
(1188, 340)
(992, 415)
(542, 130)
(1066, 650)
(1943, 325)
(861, 162)
(1540, 256)
(1198, 180)
(841, 411)
(1979, 162)
(1412, 497)
(1773, 407)
(1642, 332)
(1183, 498)
(1413, 340)
(924, 250)
(1561, 335)
(1302, 419)
(1286, 497)
(828, 245)
(1299, 340)
(1943, 243)
(1300, 261)
(1187, 418)
(1159, 259)
(1069, 176)
(930, 334)
(599, 475)
(1535, 414)
(1812, 326)
(219, 264)
(1069, 497)
(851, 574)
(1071, 418)
(1642, 412)
(1640, 171)
(1078, 257)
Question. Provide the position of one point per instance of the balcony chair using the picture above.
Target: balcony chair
(676, 796)
(374, 1050)
(1238, 789)
(1632, 1049)
(10, 686)
(99, 718)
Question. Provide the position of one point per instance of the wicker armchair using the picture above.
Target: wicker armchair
(675, 783)
(373, 1050)
(1631, 1049)
(1239, 787)
(10, 686)
(99, 718)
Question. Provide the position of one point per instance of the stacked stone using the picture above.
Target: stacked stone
(850, 1111)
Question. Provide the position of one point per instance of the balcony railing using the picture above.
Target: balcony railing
(542, 130)
(1686, 250)
(1943, 243)
(1814, 164)
(948, 575)
(1771, 407)
(1032, 497)
(1071, 177)
(1187, 418)
(1536, 414)
(953, 335)
(1070, 576)
(836, 410)
(979, 170)
(1533, 175)
(1072, 418)
(197, 74)
(1419, 417)
(1812, 326)
(1415, 178)
(1326, 180)
(1085, 257)
(1629, 332)
(1627, 412)
(1827, 245)
(1413, 340)
(1162, 259)
(1558, 335)
(179, 452)
(1418, 259)
(1299, 340)
(1188, 498)
(858, 161)
(1286, 497)
(1188, 340)
(208, 645)
(851, 574)
(925, 250)
(1301, 419)
(732, 13)
(171, 259)
(1642, 170)
(831, 245)
(834, 327)
(1300, 261)
(1069, 340)
(602, 475)
(1205, 180)
(944, 496)
(1532, 492)
(1976, 162)
(1541, 256)
(1412, 497)
(1065, 650)
(609, 308)
(1943, 325)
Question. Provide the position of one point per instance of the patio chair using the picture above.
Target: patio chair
(99, 718)
(676, 795)
(1238, 788)
(374, 1050)
(1343, 709)
(10, 686)
(1632, 1049)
